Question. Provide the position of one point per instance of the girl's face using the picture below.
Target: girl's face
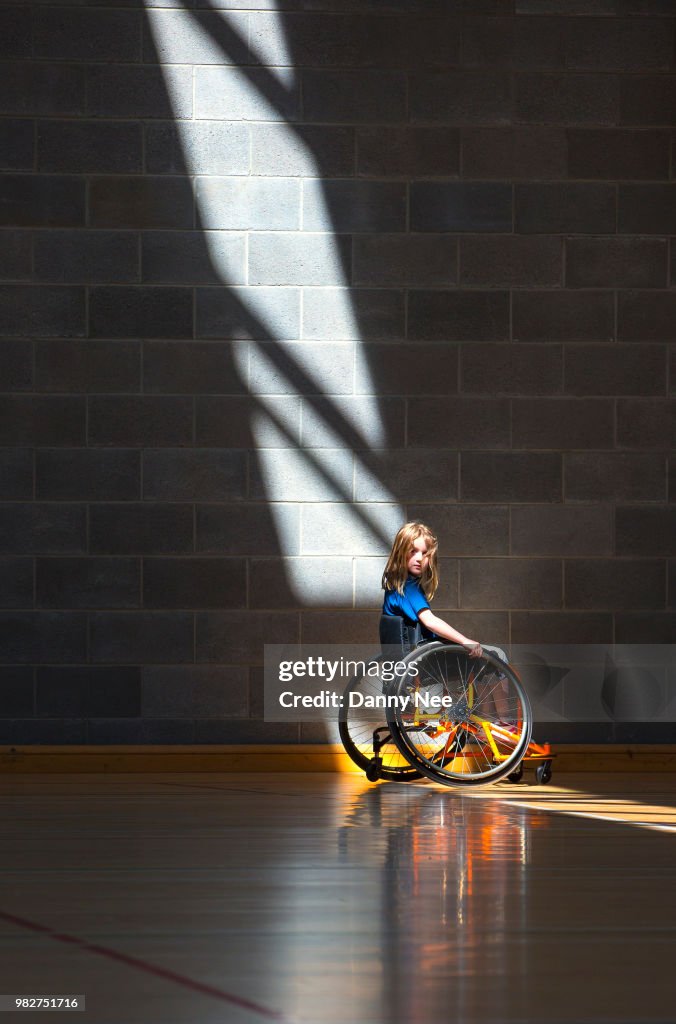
(418, 557)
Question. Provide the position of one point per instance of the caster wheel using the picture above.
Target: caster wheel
(373, 772)
(543, 773)
(517, 775)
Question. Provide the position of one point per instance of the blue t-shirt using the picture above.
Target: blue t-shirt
(408, 604)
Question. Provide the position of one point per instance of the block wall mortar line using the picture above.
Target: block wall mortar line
(667, 357)
(248, 33)
(141, 569)
(667, 488)
(354, 477)
(670, 243)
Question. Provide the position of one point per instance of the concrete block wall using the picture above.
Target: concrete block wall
(277, 276)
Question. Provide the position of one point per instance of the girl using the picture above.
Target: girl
(410, 580)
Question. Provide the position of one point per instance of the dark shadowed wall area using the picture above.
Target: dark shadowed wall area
(274, 280)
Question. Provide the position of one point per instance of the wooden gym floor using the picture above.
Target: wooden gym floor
(200, 898)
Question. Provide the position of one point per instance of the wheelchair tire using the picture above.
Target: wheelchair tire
(356, 728)
(481, 735)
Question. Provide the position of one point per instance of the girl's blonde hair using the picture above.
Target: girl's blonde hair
(396, 571)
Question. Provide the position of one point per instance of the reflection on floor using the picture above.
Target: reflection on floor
(311, 898)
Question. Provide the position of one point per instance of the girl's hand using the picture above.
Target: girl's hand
(473, 648)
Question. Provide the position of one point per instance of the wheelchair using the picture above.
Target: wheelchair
(454, 719)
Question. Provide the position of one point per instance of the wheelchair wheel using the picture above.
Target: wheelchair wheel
(467, 721)
(358, 726)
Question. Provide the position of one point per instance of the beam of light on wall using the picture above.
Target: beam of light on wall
(321, 372)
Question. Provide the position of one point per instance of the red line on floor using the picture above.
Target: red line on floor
(144, 965)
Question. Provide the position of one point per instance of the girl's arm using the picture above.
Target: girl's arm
(441, 628)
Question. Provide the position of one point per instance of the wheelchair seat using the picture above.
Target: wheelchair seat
(396, 632)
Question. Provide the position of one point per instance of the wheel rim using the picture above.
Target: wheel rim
(483, 733)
